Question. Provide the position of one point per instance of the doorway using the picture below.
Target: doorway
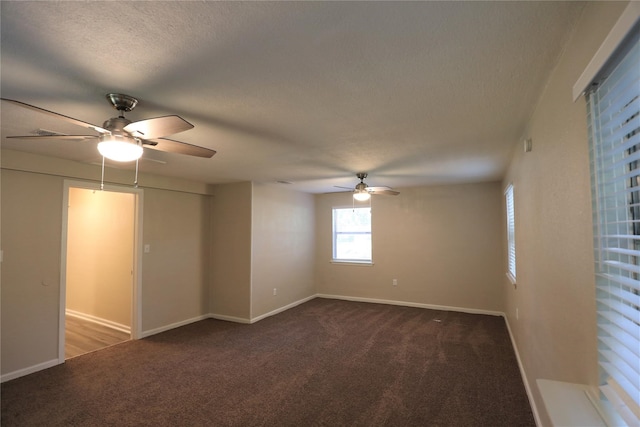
(101, 265)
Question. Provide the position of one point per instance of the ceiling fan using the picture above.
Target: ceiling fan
(363, 192)
(121, 139)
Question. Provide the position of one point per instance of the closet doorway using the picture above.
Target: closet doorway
(100, 268)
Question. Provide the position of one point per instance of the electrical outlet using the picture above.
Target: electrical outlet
(395, 282)
(275, 291)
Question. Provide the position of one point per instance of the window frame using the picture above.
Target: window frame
(511, 234)
(335, 233)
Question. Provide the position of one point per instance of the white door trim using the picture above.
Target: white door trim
(136, 300)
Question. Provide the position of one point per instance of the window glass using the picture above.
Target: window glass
(352, 234)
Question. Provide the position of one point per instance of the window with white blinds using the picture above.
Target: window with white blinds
(511, 235)
(614, 140)
(352, 235)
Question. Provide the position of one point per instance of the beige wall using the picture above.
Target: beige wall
(443, 244)
(175, 273)
(283, 248)
(230, 286)
(174, 279)
(30, 276)
(555, 333)
(100, 251)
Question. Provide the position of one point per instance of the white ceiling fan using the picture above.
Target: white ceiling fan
(363, 192)
(121, 139)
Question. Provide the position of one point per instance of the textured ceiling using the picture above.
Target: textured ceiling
(413, 93)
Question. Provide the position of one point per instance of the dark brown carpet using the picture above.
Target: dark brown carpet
(323, 363)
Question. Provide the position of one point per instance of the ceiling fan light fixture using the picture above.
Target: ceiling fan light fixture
(119, 149)
(362, 195)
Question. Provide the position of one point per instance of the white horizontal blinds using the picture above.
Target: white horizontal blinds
(614, 121)
(621, 402)
(511, 242)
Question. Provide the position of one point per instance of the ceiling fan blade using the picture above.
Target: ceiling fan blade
(158, 127)
(56, 137)
(382, 190)
(60, 116)
(344, 188)
(171, 146)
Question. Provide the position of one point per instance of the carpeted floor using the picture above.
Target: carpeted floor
(323, 363)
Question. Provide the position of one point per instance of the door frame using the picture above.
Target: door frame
(136, 300)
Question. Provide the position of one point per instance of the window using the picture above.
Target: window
(614, 143)
(352, 235)
(511, 239)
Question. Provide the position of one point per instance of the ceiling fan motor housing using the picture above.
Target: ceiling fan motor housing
(361, 187)
(116, 125)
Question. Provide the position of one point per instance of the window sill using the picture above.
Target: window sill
(569, 404)
(352, 262)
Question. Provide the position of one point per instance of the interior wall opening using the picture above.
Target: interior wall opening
(100, 269)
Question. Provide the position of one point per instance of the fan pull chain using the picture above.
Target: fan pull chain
(102, 177)
(135, 183)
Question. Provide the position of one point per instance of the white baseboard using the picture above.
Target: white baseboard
(413, 304)
(165, 328)
(281, 309)
(527, 387)
(30, 370)
(98, 320)
(262, 316)
(230, 318)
